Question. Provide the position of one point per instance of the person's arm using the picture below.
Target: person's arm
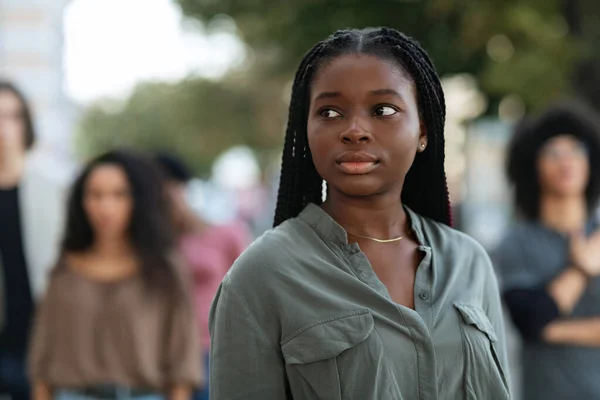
(567, 288)
(585, 331)
(493, 309)
(184, 368)
(41, 391)
(180, 392)
(40, 345)
(539, 314)
(579, 332)
(532, 309)
(245, 361)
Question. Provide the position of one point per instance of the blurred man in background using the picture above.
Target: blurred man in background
(30, 220)
(549, 263)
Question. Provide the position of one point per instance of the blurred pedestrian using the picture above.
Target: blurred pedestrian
(369, 294)
(30, 222)
(549, 262)
(117, 321)
(208, 250)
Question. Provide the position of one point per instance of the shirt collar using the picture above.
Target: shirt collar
(330, 231)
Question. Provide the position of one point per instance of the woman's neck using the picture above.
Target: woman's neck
(12, 167)
(564, 214)
(112, 248)
(190, 224)
(382, 218)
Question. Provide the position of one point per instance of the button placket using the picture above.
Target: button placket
(423, 295)
(350, 253)
(361, 265)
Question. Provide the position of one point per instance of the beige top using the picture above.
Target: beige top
(88, 333)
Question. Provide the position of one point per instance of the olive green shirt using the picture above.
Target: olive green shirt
(302, 315)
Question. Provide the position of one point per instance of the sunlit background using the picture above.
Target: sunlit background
(110, 46)
(210, 81)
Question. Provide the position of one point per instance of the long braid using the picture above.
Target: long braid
(431, 199)
(312, 182)
(425, 188)
(292, 159)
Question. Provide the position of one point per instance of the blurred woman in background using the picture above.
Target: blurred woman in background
(117, 321)
(208, 250)
(549, 262)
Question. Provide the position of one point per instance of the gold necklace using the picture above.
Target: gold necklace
(378, 240)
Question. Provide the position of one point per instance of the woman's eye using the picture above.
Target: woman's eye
(329, 113)
(384, 111)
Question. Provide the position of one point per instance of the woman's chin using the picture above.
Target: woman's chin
(359, 189)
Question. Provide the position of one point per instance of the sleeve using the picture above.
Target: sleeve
(493, 308)
(245, 363)
(531, 310)
(183, 353)
(524, 293)
(40, 341)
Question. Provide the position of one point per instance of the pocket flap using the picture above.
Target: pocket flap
(328, 338)
(473, 315)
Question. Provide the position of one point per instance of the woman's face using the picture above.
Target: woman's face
(108, 201)
(12, 123)
(563, 167)
(363, 125)
(179, 207)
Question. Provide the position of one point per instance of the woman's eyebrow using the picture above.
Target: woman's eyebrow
(327, 95)
(378, 92)
(381, 92)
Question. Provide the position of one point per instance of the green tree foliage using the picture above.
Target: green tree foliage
(456, 33)
(525, 47)
(196, 118)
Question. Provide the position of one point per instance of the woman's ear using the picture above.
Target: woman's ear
(422, 143)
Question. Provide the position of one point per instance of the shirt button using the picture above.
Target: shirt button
(424, 295)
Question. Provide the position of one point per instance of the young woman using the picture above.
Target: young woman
(117, 321)
(550, 260)
(207, 250)
(368, 294)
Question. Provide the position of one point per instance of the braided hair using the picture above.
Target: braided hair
(425, 189)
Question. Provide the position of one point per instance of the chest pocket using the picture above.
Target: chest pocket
(341, 358)
(484, 377)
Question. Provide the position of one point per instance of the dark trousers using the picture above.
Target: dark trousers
(13, 376)
(202, 394)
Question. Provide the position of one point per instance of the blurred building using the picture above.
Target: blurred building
(486, 207)
(31, 55)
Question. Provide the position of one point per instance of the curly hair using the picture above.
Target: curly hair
(530, 135)
(173, 168)
(150, 231)
(425, 189)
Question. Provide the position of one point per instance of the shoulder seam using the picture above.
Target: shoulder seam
(247, 310)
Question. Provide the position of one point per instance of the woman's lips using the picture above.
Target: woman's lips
(357, 167)
(356, 162)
